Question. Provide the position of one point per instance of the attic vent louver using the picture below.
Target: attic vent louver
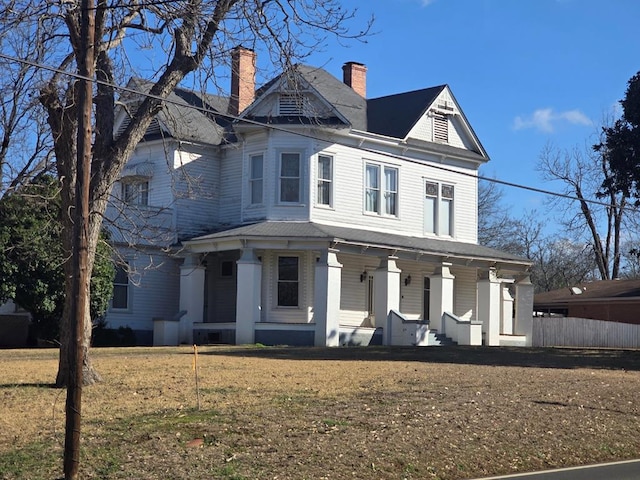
(291, 104)
(440, 128)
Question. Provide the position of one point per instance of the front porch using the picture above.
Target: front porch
(315, 287)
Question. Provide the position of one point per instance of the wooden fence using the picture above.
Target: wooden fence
(583, 332)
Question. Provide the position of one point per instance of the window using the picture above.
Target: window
(226, 268)
(381, 189)
(256, 178)
(290, 178)
(325, 180)
(426, 298)
(438, 208)
(120, 300)
(135, 192)
(287, 281)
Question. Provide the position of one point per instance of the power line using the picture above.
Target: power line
(312, 137)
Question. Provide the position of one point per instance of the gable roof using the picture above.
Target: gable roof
(350, 107)
(394, 115)
(600, 290)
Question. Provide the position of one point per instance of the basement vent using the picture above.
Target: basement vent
(440, 128)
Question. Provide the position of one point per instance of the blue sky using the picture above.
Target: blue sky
(525, 72)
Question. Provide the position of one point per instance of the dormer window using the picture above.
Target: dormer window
(291, 104)
(135, 191)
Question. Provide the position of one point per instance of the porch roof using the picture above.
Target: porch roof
(340, 237)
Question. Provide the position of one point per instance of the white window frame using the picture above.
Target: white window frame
(288, 281)
(135, 192)
(289, 178)
(254, 181)
(442, 195)
(324, 182)
(382, 191)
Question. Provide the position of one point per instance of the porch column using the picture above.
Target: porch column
(441, 299)
(506, 310)
(326, 302)
(191, 296)
(387, 293)
(489, 306)
(524, 308)
(248, 296)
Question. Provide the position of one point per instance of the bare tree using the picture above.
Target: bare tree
(581, 174)
(190, 37)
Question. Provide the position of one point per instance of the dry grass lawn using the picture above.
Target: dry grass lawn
(306, 413)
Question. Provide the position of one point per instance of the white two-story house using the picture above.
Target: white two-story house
(311, 216)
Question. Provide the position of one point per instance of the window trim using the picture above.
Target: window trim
(255, 180)
(288, 281)
(440, 199)
(140, 197)
(328, 181)
(300, 176)
(382, 189)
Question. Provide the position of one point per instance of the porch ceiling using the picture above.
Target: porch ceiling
(310, 235)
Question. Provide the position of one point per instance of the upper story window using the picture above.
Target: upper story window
(289, 179)
(325, 180)
(288, 279)
(438, 208)
(120, 300)
(381, 189)
(256, 178)
(135, 192)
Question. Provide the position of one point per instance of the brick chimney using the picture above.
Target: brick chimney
(243, 79)
(355, 75)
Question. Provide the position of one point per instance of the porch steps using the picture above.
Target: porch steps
(436, 339)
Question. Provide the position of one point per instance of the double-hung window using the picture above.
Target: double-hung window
(135, 192)
(120, 300)
(325, 180)
(256, 178)
(289, 178)
(288, 279)
(438, 208)
(381, 189)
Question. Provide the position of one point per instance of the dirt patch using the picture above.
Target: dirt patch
(295, 413)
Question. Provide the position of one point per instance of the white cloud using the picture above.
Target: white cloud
(424, 3)
(547, 120)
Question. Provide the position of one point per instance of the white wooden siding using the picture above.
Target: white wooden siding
(465, 291)
(153, 293)
(353, 300)
(348, 188)
(195, 183)
(300, 314)
(230, 185)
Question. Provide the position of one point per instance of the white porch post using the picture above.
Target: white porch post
(506, 311)
(326, 303)
(387, 293)
(524, 309)
(191, 296)
(489, 306)
(441, 300)
(249, 288)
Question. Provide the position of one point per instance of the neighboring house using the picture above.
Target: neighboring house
(319, 218)
(610, 300)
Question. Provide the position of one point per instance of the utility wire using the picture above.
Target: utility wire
(313, 137)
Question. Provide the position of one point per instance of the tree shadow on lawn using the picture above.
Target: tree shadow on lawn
(608, 359)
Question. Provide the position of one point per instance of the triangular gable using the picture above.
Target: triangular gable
(429, 115)
(310, 95)
(443, 122)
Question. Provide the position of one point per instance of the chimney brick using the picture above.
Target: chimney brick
(355, 75)
(243, 79)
